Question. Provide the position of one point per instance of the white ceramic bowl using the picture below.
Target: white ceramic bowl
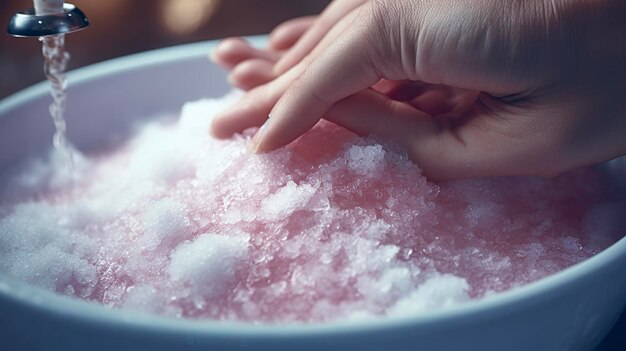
(571, 310)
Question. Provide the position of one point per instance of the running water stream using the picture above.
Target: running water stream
(55, 63)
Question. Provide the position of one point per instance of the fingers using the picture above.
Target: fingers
(341, 68)
(308, 99)
(329, 74)
(434, 99)
(481, 144)
(252, 110)
(309, 40)
(232, 51)
(251, 67)
(370, 112)
(256, 105)
(431, 146)
(286, 34)
(251, 73)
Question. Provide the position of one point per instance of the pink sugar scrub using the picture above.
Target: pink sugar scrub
(333, 227)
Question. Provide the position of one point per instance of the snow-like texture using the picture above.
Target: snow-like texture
(333, 227)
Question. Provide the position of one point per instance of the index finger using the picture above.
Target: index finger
(343, 69)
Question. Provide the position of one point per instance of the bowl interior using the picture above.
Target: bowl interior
(105, 101)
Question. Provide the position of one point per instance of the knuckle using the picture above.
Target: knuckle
(385, 14)
(394, 27)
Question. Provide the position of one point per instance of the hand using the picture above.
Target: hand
(539, 87)
(289, 43)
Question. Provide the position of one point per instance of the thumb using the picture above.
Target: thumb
(488, 140)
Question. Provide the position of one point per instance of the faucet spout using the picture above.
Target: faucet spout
(31, 23)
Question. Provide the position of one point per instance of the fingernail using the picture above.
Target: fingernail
(256, 140)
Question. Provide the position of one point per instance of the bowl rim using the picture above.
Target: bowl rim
(90, 312)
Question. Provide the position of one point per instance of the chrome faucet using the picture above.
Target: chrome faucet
(30, 24)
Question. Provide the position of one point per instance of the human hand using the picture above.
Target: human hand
(294, 39)
(288, 44)
(551, 82)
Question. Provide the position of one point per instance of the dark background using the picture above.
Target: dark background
(121, 27)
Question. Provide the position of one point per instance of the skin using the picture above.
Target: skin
(469, 88)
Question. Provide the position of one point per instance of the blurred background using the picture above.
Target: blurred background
(121, 27)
